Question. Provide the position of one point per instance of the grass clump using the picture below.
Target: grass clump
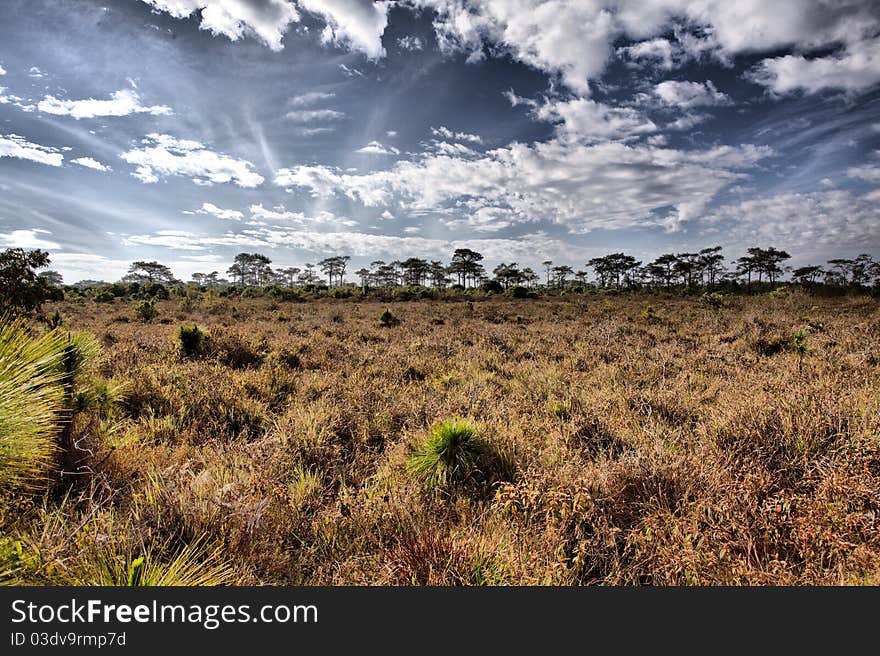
(454, 455)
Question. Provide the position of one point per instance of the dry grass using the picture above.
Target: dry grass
(676, 446)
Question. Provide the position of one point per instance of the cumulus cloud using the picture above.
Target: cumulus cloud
(91, 163)
(264, 20)
(121, 103)
(446, 133)
(353, 24)
(28, 239)
(410, 43)
(376, 148)
(868, 173)
(856, 68)
(220, 213)
(821, 220)
(660, 51)
(161, 155)
(585, 119)
(581, 186)
(13, 145)
(2, 70)
(572, 40)
(686, 95)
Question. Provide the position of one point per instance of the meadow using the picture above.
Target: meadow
(631, 439)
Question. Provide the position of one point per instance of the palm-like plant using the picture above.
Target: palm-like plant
(31, 400)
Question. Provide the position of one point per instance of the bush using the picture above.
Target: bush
(518, 291)
(387, 319)
(190, 341)
(650, 315)
(146, 311)
(104, 296)
(454, 455)
(712, 299)
(491, 287)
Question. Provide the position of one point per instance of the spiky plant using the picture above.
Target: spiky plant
(195, 564)
(454, 453)
(387, 318)
(31, 399)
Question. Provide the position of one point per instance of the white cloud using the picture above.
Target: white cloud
(314, 115)
(446, 133)
(280, 213)
(2, 70)
(163, 155)
(265, 20)
(572, 39)
(687, 121)
(393, 133)
(689, 94)
(121, 103)
(529, 248)
(869, 173)
(27, 239)
(91, 163)
(35, 72)
(376, 148)
(856, 68)
(822, 220)
(410, 43)
(220, 213)
(13, 145)
(310, 98)
(355, 24)
(581, 186)
(659, 50)
(585, 119)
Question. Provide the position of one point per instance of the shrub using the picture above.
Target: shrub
(799, 345)
(146, 311)
(55, 320)
(518, 291)
(712, 299)
(190, 341)
(387, 319)
(650, 315)
(454, 455)
(491, 287)
(104, 296)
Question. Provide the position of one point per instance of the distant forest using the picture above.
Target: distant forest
(706, 270)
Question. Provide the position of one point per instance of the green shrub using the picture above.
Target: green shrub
(104, 296)
(650, 315)
(55, 320)
(712, 299)
(190, 341)
(146, 311)
(454, 455)
(387, 319)
(518, 291)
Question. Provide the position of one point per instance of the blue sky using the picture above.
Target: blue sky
(187, 131)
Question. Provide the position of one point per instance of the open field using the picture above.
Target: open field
(685, 444)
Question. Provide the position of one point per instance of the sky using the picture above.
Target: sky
(187, 131)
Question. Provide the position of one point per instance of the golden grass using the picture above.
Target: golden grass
(677, 446)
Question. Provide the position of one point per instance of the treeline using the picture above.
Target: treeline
(704, 269)
(707, 270)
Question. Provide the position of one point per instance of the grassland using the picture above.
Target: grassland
(610, 444)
